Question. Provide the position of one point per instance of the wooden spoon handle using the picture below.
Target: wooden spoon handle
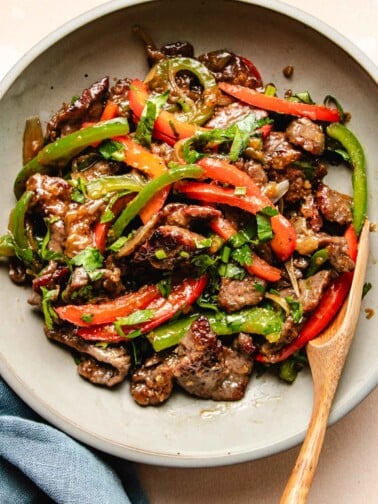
(299, 483)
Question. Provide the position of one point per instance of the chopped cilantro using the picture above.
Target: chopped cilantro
(137, 317)
(264, 227)
(90, 258)
(118, 244)
(242, 255)
(160, 254)
(111, 149)
(87, 317)
(150, 112)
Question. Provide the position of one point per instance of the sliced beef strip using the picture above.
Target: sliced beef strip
(119, 92)
(227, 66)
(338, 255)
(255, 170)
(174, 241)
(173, 214)
(79, 221)
(228, 115)
(278, 152)
(180, 214)
(170, 50)
(206, 369)
(312, 288)
(334, 206)
(101, 366)
(299, 186)
(236, 294)
(152, 383)
(310, 211)
(238, 366)
(52, 195)
(86, 108)
(306, 134)
(72, 223)
(288, 334)
(308, 241)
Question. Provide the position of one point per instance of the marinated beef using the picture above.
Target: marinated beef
(100, 365)
(227, 66)
(180, 214)
(339, 257)
(88, 107)
(173, 214)
(278, 152)
(334, 206)
(168, 247)
(312, 288)
(52, 196)
(236, 294)
(79, 221)
(228, 115)
(306, 134)
(288, 334)
(152, 382)
(207, 369)
(255, 171)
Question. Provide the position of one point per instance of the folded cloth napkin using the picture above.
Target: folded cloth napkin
(40, 464)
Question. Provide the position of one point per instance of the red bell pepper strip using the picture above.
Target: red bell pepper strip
(212, 193)
(284, 240)
(222, 171)
(223, 228)
(351, 237)
(152, 165)
(167, 126)
(100, 231)
(274, 104)
(110, 111)
(182, 296)
(253, 69)
(326, 310)
(94, 314)
(284, 237)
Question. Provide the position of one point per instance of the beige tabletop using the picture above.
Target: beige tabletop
(348, 469)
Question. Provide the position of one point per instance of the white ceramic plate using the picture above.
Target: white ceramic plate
(185, 431)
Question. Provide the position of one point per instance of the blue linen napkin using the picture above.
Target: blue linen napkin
(40, 464)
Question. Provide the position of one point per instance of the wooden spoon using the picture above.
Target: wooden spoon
(327, 354)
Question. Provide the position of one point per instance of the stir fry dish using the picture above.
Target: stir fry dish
(178, 232)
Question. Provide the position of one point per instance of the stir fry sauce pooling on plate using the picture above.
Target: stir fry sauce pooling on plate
(177, 231)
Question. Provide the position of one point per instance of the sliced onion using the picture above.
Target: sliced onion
(276, 190)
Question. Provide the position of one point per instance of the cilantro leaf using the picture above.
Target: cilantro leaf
(111, 149)
(150, 112)
(90, 258)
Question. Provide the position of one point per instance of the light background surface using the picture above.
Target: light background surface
(348, 467)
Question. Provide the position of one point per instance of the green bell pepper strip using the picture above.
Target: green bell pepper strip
(255, 320)
(18, 220)
(60, 152)
(356, 154)
(317, 260)
(102, 186)
(16, 243)
(165, 72)
(6, 246)
(148, 191)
